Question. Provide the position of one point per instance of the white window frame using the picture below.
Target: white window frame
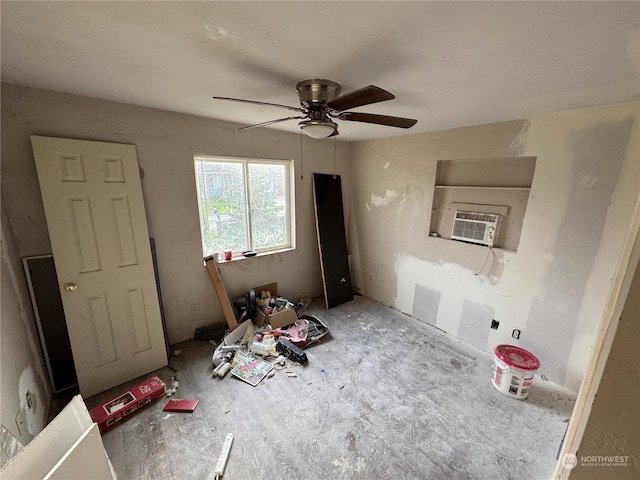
(289, 193)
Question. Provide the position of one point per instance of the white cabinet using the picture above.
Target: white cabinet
(69, 447)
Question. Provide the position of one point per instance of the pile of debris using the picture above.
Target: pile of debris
(272, 332)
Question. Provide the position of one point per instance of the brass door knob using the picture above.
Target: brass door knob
(71, 287)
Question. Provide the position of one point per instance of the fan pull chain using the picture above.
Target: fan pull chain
(335, 147)
(301, 159)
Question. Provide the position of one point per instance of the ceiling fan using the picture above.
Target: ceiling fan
(321, 103)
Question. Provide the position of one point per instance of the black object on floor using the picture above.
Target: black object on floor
(292, 352)
(210, 332)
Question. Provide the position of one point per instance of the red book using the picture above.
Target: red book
(181, 405)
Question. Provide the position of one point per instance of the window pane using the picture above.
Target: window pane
(221, 193)
(268, 194)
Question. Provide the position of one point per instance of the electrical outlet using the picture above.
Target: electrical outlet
(195, 309)
(495, 324)
(516, 334)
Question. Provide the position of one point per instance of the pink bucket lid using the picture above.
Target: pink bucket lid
(517, 357)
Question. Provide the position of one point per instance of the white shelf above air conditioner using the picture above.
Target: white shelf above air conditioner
(478, 187)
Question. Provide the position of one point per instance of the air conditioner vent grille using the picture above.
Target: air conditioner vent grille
(475, 227)
(477, 217)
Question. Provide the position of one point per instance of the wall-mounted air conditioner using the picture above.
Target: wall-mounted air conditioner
(480, 228)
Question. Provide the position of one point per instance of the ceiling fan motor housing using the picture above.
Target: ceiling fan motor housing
(317, 91)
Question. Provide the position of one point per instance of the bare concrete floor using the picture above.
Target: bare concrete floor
(385, 397)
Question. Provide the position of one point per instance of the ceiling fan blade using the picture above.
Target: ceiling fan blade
(264, 124)
(357, 98)
(399, 122)
(295, 109)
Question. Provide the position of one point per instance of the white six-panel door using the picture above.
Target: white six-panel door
(96, 219)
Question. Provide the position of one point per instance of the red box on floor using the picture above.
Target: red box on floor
(119, 408)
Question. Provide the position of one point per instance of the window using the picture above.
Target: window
(244, 204)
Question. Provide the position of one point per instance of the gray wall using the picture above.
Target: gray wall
(165, 144)
(555, 286)
(22, 366)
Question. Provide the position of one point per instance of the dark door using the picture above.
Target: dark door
(52, 325)
(332, 241)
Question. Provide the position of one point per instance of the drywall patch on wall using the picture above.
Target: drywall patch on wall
(22, 364)
(599, 154)
(402, 203)
(519, 144)
(386, 199)
(453, 284)
(425, 304)
(216, 33)
(31, 405)
(474, 323)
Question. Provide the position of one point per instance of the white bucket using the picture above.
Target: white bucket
(514, 370)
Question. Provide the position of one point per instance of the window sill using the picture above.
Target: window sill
(238, 257)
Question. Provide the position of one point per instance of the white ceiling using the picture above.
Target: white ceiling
(449, 64)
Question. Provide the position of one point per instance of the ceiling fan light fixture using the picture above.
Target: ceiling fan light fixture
(318, 128)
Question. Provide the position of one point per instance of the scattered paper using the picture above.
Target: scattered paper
(251, 370)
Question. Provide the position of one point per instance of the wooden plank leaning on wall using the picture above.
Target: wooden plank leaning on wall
(227, 309)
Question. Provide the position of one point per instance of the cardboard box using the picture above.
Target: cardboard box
(276, 320)
(122, 406)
